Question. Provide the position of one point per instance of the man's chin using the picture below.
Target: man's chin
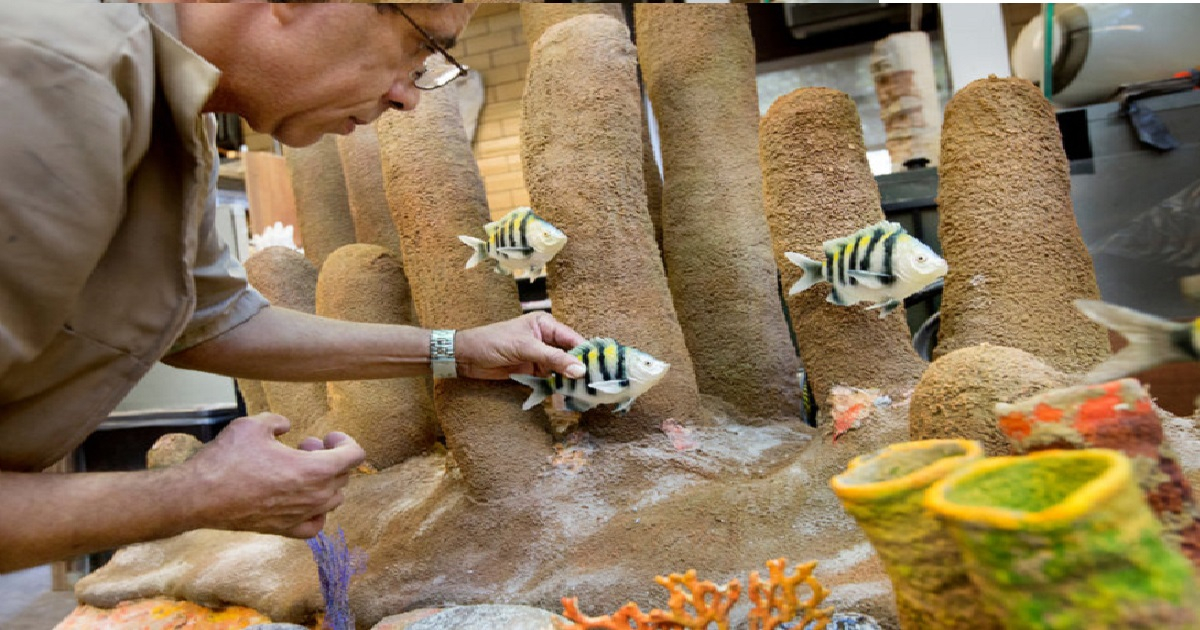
(299, 140)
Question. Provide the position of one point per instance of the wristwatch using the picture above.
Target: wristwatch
(441, 354)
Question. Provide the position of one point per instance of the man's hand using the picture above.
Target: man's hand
(531, 344)
(250, 481)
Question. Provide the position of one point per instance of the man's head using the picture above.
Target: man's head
(299, 71)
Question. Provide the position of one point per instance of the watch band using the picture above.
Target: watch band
(441, 354)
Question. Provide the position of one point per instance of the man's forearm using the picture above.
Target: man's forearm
(45, 517)
(280, 344)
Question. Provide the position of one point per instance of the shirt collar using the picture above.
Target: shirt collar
(187, 79)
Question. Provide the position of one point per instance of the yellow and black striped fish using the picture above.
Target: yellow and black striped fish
(520, 242)
(881, 264)
(616, 374)
(1153, 341)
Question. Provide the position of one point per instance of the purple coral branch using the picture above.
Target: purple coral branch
(336, 565)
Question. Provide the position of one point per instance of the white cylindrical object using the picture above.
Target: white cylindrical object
(1099, 47)
(902, 65)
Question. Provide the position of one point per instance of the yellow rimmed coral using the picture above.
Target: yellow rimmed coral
(884, 491)
(1064, 540)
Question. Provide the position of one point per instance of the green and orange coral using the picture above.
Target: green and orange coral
(775, 602)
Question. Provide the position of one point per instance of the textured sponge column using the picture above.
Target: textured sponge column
(435, 193)
(391, 418)
(818, 186)
(322, 207)
(1017, 260)
(698, 63)
(582, 151)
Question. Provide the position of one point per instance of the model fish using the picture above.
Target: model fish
(520, 242)
(616, 374)
(1153, 341)
(881, 264)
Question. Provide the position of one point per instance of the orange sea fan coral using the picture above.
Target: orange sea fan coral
(779, 594)
(775, 602)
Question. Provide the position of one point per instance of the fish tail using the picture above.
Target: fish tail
(1152, 340)
(541, 389)
(480, 247)
(811, 268)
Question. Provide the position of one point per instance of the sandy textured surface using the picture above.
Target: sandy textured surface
(536, 17)
(957, 395)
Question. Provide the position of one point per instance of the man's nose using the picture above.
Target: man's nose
(404, 95)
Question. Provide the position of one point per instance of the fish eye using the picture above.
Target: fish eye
(921, 258)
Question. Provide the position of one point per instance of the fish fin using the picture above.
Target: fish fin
(870, 279)
(885, 307)
(480, 247)
(1151, 341)
(836, 298)
(609, 387)
(500, 270)
(624, 406)
(514, 250)
(538, 385)
(811, 268)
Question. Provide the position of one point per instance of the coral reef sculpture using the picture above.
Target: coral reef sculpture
(1121, 416)
(885, 491)
(1060, 540)
(161, 614)
(698, 605)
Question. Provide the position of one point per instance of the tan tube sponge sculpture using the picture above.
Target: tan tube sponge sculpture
(392, 418)
(535, 19)
(322, 206)
(698, 65)
(582, 152)
(365, 195)
(818, 186)
(1008, 230)
(435, 193)
(288, 280)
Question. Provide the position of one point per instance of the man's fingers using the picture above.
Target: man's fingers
(311, 443)
(335, 438)
(560, 361)
(275, 423)
(557, 333)
(345, 452)
(309, 528)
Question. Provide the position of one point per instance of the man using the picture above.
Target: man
(109, 259)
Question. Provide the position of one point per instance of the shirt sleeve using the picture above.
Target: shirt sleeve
(224, 297)
(65, 132)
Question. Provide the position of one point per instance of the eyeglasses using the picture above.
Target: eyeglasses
(440, 67)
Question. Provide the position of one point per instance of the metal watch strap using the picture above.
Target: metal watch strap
(441, 354)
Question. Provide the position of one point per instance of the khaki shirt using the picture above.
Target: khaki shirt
(109, 256)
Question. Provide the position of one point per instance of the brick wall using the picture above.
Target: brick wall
(494, 45)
